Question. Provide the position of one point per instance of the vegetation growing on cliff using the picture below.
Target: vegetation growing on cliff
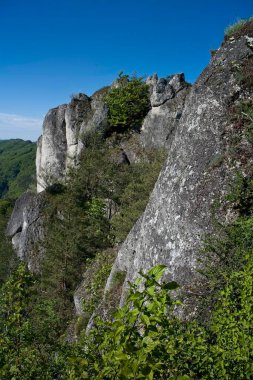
(94, 211)
(240, 28)
(17, 167)
(7, 256)
(128, 103)
(142, 341)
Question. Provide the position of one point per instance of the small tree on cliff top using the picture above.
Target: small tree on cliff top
(128, 103)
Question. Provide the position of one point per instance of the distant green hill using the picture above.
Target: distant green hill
(17, 167)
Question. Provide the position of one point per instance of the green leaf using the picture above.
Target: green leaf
(157, 271)
(145, 319)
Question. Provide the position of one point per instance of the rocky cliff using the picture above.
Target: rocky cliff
(63, 139)
(60, 145)
(26, 229)
(64, 127)
(197, 173)
(194, 125)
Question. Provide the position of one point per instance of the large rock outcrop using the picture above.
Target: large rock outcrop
(197, 173)
(64, 127)
(61, 142)
(167, 103)
(25, 227)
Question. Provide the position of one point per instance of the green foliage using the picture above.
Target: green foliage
(231, 29)
(137, 182)
(244, 73)
(7, 256)
(123, 348)
(128, 103)
(144, 341)
(79, 225)
(232, 325)
(17, 167)
(96, 273)
(224, 253)
(28, 331)
(241, 195)
(18, 359)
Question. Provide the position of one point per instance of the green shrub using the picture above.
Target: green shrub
(128, 103)
(232, 326)
(241, 27)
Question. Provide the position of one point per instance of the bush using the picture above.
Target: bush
(128, 103)
(240, 28)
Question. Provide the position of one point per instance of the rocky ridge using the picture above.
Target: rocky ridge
(192, 124)
(63, 140)
(178, 215)
(64, 127)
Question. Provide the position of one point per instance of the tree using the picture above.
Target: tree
(128, 103)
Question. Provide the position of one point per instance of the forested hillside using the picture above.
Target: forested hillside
(17, 167)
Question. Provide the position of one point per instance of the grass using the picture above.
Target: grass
(240, 28)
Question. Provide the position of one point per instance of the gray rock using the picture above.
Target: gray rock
(25, 227)
(52, 149)
(64, 128)
(162, 91)
(161, 121)
(78, 111)
(62, 141)
(178, 215)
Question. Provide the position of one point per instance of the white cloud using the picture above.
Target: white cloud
(18, 126)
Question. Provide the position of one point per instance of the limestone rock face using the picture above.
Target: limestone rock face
(178, 215)
(25, 227)
(167, 100)
(61, 143)
(51, 148)
(64, 127)
(76, 112)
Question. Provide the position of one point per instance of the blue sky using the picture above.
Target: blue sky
(50, 49)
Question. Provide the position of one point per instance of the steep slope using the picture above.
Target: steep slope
(72, 231)
(195, 126)
(198, 172)
(17, 167)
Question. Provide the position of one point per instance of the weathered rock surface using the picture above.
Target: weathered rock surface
(64, 127)
(178, 214)
(167, 100)
(61, 143)
(25, 227)
(52, 146)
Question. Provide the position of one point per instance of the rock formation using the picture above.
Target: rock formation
(178, 215)
(64, 127)
(192, 123)
(167, 103)
(25, 227)
(62, 142)
(60, 145)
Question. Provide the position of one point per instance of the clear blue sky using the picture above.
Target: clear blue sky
(50, 49)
